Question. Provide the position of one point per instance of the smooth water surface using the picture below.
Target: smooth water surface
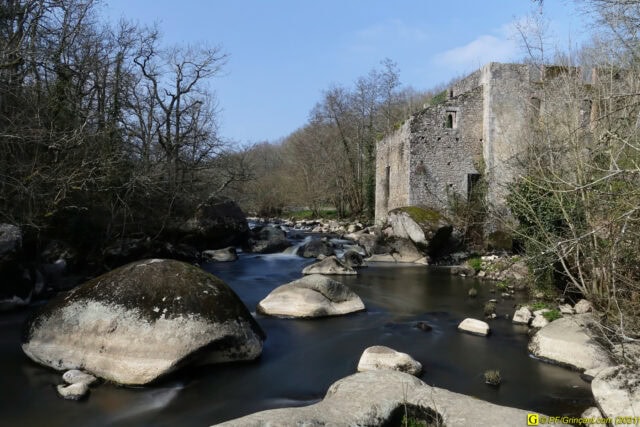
(301, 358)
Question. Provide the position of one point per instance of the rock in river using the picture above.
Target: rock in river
(141, 321)
(311, 296)
(474, 326)
(565, 341)
(380, 398)
(381, 357)
(329, 265)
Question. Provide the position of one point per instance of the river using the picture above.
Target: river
(301, 358)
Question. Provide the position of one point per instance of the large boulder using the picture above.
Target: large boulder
(364, 239)
(566, 342)
(268, 240)
(381, 357)
(216, 223)
(381, 397)
(311, 296)
(329, 265)
(316, 247)
(425, 227)
(142, 321)
(616, 391)
(403, 250)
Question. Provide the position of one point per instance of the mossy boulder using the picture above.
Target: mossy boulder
(142, 321)
(217, 223)
(427, 228)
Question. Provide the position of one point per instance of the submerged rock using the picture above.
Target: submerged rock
(311, 296)
(141, 321)
(379, 398)
(221, 255)
(381, 357)
(329, 265)
(566, 342)
(75, 376)
(73, 391)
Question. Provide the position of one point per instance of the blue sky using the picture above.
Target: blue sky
(284, 53)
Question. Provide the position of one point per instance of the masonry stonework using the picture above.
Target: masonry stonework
(439, 152)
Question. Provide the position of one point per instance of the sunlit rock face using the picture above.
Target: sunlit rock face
(142, 321)
(311, 296)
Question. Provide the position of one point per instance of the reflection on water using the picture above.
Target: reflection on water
(301, 358)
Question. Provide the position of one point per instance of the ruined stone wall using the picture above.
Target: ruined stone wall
(432, 156)
(466, 84)
(507, 118)
(392, 172)
(443, 157)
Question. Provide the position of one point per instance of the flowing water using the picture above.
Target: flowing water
(301, 358)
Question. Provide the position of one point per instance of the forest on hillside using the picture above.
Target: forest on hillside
(108, 132)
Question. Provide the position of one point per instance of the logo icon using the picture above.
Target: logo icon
(533, 419)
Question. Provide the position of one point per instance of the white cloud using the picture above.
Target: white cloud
(500, 47)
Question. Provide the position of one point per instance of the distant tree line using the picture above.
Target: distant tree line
(330, 161)
(103, 131)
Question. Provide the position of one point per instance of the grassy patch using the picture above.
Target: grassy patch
(539, 305)
(440, 98)
(502, 286)
(552, 315)
(475, 263)
(489, 308)
(492, 377)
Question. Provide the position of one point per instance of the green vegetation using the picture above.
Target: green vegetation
(539, 305)
(439, 98)
(475, 263)
(502, 286)
(552, 315)
(489, 309)
(492, 377)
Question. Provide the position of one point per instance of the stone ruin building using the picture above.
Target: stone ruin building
(441, 151)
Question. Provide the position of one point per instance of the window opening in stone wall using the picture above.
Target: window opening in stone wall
(472, 183)
(451, 120)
